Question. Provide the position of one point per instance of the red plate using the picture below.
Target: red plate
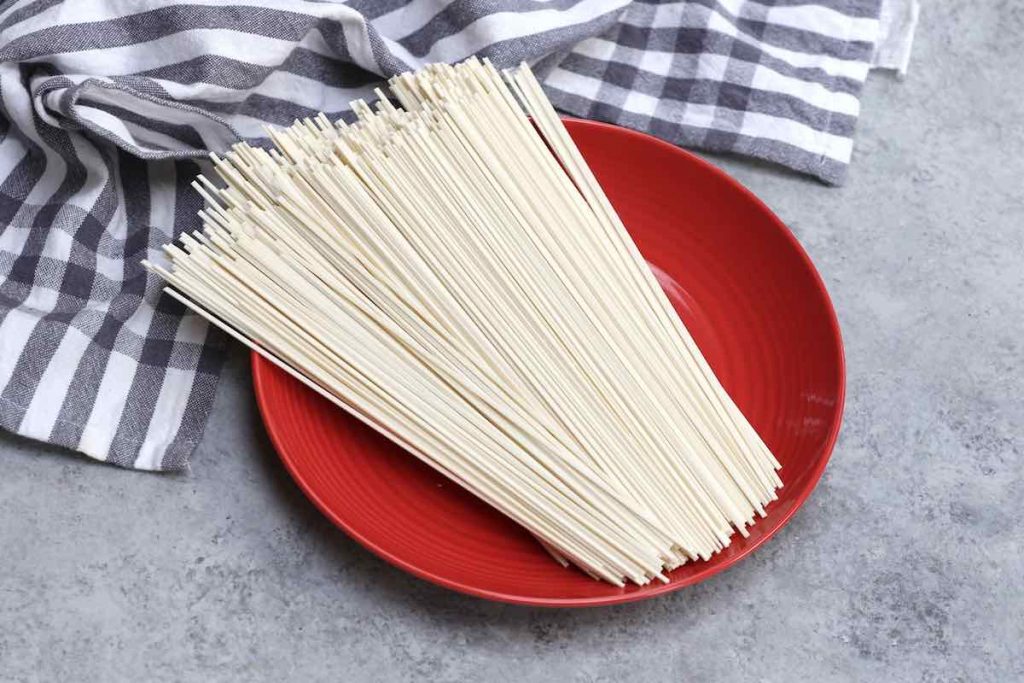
(752, 300)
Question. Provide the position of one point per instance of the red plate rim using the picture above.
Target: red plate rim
(260, 367)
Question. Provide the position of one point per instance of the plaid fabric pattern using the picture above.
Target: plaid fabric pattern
(108, 109)
(777, 81)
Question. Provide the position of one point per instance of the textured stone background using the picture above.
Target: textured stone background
(907, 563)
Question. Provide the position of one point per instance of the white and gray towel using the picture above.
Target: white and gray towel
(108, 109)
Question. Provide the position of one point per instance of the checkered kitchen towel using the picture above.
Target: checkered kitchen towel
(108, 108)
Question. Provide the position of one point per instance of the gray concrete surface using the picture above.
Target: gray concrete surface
(905, 565)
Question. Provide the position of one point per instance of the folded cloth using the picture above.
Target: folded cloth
(108, 109)
(778, 80)
(897, 24)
